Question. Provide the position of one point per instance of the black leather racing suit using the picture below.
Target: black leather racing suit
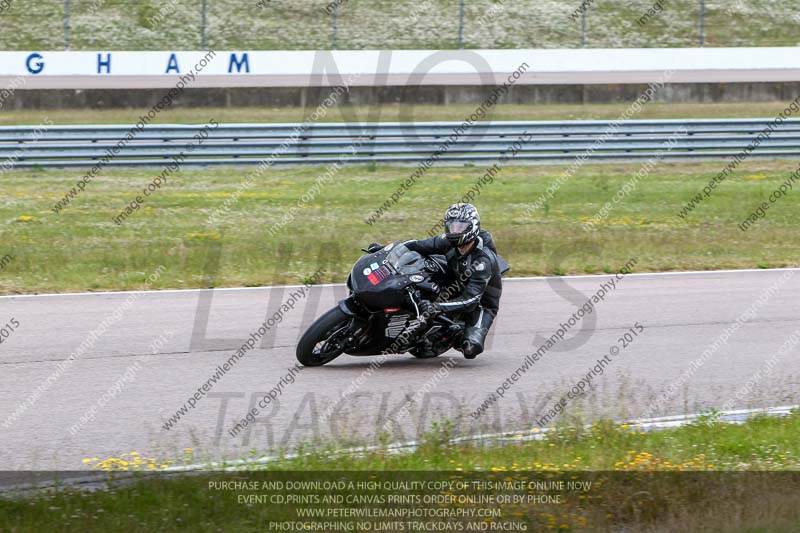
(475, 294)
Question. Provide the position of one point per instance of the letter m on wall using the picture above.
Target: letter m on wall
(239, 63)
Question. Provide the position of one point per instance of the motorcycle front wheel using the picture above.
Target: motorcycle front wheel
(325, 339)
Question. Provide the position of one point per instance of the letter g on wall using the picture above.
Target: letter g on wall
(37, 66)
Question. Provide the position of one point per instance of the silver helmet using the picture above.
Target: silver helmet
(461, 224)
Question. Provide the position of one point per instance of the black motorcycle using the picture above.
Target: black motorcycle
(381, 315)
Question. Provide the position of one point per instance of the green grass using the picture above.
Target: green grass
(82, 249)
(642, 481)
(762, 443)
(394, 113)
(395, 24)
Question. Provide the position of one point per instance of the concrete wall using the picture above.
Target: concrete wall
(312, 96)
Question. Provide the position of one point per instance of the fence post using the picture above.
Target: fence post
(203, 27)
(335, 24)
(702, 23)
(584, 9)
(461, 25)
(66, 24)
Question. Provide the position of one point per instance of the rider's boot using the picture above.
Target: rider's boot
(476, 332)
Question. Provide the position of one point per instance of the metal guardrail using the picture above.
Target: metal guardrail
(249, 144)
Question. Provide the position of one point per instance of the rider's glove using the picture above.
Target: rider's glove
(374, 247)
(429, 309)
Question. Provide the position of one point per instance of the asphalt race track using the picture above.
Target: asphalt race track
(126, 394)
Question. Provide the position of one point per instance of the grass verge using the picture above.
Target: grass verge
(705, 476)
(80, 248)
(395, 113)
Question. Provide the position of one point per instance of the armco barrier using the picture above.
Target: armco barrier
(249, 144)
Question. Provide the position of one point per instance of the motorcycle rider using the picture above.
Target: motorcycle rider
(472, 259)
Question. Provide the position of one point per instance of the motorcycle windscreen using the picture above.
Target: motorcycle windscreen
(375, 283)
(403, 260)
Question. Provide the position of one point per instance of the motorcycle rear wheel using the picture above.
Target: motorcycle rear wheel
(323, 341)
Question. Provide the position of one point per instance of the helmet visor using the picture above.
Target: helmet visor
(458, 226)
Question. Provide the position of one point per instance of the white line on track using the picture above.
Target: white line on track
(737, 416)
(91, 482)
(506, 280)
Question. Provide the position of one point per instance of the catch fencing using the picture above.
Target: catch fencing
(393, 24)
